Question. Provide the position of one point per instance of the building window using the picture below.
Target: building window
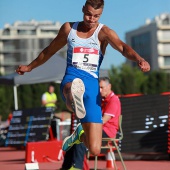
(167, 61)
(6, 32)
(44, 42)
(166, 21)
(53, 32)
(142, 45)
(26, 32)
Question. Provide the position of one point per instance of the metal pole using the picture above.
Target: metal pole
(15, 98)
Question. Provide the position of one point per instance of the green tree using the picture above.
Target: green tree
(157, 82)
(25, 96)
(6, 101)
(29, 96)
(115, 79)
(38, 90)
(127, 80)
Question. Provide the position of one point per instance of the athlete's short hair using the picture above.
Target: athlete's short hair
(106, 79)
(96, 4)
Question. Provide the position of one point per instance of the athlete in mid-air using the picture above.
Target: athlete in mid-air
(87, 41)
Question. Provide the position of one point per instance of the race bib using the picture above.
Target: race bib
(85, 58)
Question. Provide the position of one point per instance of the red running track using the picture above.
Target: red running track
(12, 159)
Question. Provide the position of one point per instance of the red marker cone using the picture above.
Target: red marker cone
(109, 160)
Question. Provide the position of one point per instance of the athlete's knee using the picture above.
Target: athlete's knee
(95, 150)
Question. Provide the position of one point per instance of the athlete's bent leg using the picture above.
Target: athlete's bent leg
(92, 137)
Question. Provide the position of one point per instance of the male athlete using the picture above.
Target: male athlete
(87, 41)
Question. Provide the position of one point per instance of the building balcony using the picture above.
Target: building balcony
(163, 49)
(164, 62)
(163, 27)
(163, 36)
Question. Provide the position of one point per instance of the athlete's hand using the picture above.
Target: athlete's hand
(22, 69)
(144, 66)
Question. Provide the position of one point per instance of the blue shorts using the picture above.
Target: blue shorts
(91, 98)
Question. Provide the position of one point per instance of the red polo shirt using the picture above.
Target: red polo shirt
(111, 106)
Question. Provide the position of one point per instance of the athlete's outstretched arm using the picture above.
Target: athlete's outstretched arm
(59, 41)
(112, 38)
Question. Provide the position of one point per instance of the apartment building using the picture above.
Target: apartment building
(21, 42)
(152, 42)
